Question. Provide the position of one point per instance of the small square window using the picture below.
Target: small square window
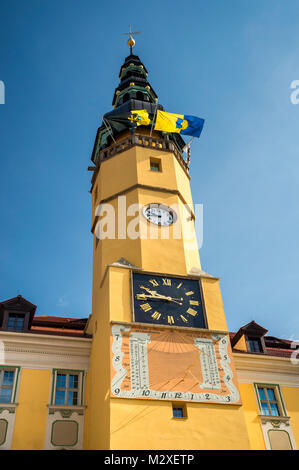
(155, 164)
(178, 411)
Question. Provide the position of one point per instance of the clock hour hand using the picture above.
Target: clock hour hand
(155, 294)
(145, 297)
(158, 297)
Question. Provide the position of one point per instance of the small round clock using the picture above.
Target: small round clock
(159, 214)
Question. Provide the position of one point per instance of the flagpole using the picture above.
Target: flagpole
(153, 120)
(186, 149)
(108, 128)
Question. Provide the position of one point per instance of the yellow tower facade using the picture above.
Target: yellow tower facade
(161, 372)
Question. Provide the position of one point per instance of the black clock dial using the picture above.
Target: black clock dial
(167, 301)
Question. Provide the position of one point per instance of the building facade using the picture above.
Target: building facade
(154, 366)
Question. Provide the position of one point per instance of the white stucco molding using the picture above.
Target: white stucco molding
(37, 351)
(270, 369)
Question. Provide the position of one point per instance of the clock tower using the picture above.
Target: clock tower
(160, 339)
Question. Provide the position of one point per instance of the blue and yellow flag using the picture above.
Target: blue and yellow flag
(179, 123)
(140, 116)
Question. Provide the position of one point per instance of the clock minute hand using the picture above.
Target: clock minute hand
(158, 297)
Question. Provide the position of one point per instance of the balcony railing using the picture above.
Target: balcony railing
(142, 141)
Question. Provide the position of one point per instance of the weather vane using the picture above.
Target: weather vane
(131, 41)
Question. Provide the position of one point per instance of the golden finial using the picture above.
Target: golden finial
(131, 40)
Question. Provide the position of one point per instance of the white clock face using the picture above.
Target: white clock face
(159, 214)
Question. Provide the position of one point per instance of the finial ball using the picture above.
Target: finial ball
(131, 42)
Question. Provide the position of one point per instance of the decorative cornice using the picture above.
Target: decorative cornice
(276, 421)
(261, 368)
(44, 351)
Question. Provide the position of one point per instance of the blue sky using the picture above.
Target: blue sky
(230, 62)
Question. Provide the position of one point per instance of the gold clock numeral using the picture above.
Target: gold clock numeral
(192, 312)
(166, 282)
(193, 302)
(179, 285)
(154, 282)
(170, 319)
(140, 297)
(189, 293)
(156, 315)
(184, 319)
(146, 307)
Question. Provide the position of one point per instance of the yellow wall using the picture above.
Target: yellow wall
(291, 399)
(140, 424)
(117, 176)
(31, 413)
(97, 417)
(144, 424)
(252, 419)
(213, 304)
(241, 344)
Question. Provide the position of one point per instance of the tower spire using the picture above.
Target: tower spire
(131, 40)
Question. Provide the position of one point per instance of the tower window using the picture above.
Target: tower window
(179, 411)
(15, 322)
(155, 164)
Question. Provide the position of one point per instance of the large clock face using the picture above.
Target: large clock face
(167, 301)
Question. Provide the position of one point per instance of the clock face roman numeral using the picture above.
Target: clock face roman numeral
(192, 312)
(184, 319)
(145, 307)
(156, 315)
(167, 301)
